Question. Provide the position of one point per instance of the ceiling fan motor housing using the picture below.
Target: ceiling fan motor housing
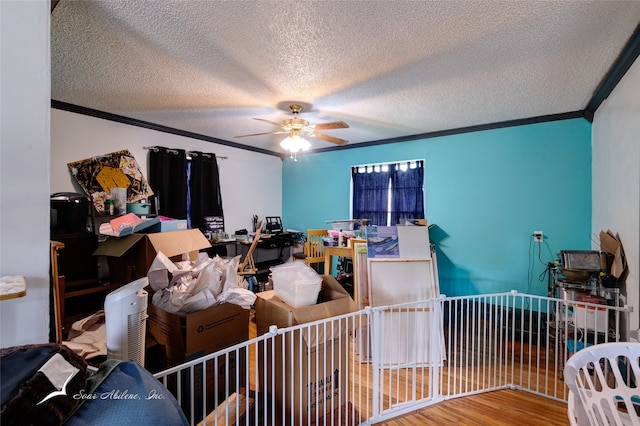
(295, 109)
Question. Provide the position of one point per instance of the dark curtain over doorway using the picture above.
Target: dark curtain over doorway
(168, 180)
(204, 189)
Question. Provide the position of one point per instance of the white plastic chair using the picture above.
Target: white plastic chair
(604, 384)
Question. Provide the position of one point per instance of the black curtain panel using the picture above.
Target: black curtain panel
(407, 194)
(370, 195)
(204, 189)
(168, 180)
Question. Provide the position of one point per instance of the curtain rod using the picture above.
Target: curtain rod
(192, 153)
(386, 163)
(418, 163)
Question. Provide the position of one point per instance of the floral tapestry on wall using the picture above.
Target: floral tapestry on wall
(98, 175)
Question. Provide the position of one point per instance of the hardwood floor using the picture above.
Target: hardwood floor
(503, 407)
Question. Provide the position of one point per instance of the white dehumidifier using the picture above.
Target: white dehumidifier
(125, 312)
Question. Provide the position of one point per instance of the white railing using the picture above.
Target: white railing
(379, 363)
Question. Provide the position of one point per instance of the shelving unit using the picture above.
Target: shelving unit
(585, 321)
(77, 288)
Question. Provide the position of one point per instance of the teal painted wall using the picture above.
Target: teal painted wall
(485, 192)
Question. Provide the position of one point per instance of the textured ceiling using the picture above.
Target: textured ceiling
(390, 69)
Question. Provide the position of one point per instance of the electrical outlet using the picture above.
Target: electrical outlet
(538, 236)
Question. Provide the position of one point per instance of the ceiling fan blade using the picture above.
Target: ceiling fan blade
(331, 139)
(266, 133)
(270, 122)
(331, 125)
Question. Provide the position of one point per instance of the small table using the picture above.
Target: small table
(12, 287)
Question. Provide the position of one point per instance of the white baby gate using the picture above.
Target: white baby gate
(379, 363)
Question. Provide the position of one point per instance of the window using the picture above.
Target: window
(387, 193)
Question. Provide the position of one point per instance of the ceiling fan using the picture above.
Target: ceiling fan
(297, 128)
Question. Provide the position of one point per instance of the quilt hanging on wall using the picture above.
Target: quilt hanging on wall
(98, 175)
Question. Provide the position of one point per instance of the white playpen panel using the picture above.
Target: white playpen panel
(379, 363)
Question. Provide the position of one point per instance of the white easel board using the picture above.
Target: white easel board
(406, 334)
(414, 242)
(393, 281)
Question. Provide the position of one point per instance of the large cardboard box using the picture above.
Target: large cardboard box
(130, 257)
(198, 334)
(309, 375)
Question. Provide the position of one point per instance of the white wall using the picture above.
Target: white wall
(616, 177)
(24, 167)
(251, 183)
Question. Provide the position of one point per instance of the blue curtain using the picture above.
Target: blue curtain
(407, 194)
(370, 195)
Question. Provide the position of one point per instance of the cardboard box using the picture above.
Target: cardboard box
(130, 257)
(168, 226)
(309, 377)
(198, 334)
(610, 243)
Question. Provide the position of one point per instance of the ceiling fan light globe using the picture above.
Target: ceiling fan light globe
(304, 144)
(286, 143)
(295, 143)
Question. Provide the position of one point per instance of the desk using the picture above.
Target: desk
(270, 250)
(330, 251)
(223, 248)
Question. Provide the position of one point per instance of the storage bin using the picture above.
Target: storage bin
(591, 260)
(296, 283)
(141, 209)
(345, 225)
(591, 318)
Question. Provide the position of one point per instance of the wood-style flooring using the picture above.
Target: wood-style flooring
(503, 407)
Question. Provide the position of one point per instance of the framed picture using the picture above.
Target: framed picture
(214, 223)
(98, 175)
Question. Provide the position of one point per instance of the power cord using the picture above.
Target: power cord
(531, 261)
